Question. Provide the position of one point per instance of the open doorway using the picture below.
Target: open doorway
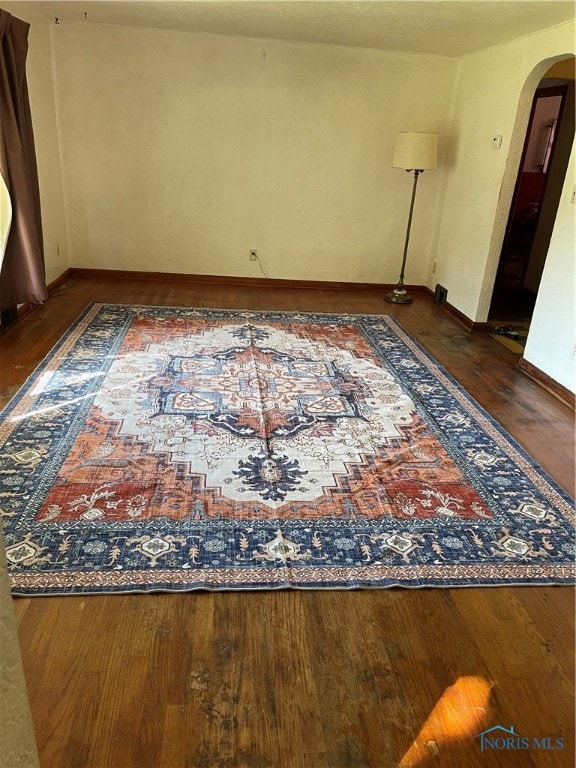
(541, 174)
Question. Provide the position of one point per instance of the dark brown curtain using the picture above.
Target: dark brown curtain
(22, 278)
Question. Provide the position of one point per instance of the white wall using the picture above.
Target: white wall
(43, 109)
(181, 152)
(551, 344)
(495, 90)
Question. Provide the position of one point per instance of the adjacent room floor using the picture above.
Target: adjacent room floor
(510, 315)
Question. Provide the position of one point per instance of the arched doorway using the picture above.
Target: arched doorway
(541, 170)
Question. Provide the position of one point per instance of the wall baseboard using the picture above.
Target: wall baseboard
(470, 325)
(24, 309)
(59, 281)
(541, 378)
(548, 383)
(52, 287)
(177, 277)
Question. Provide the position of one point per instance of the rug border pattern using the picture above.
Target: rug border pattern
(295, 575)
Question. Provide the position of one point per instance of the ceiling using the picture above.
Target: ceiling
(443, 27)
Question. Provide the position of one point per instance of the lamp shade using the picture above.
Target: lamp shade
(415, 151)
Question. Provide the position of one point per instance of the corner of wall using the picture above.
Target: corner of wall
(56, 92)
(435, 255)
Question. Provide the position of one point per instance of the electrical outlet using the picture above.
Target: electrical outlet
(253, 255)
(434, 268)
(573, 198)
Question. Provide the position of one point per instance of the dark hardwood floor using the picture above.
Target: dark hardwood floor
(305, 679)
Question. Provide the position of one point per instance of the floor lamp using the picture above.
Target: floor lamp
(414, 152)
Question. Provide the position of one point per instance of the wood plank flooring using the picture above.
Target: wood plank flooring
(304, 679)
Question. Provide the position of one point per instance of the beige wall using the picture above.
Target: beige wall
(43, 108)
(481, 180)
(479, 192)
(182, 152)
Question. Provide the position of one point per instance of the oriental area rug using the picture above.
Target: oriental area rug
(163, 448)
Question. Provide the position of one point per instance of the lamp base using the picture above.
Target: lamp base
(398, 296)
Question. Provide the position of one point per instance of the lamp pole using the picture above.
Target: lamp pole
(399, 295)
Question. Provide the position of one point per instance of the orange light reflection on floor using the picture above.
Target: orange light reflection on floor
(460, 713)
